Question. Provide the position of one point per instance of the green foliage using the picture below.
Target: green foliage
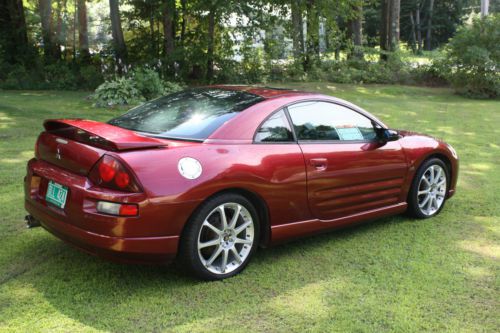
(59, 77)
(140, 84)
(171, 87)
(148, 82)
(473, 57)
(118, 92)
(90, 77)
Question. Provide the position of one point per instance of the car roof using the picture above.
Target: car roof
(264, 92)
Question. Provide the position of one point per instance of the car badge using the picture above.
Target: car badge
(58, 153)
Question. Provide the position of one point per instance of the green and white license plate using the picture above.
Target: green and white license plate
(56, 194)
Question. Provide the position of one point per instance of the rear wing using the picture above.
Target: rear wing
(100, 135)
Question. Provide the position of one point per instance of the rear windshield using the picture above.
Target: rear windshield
(191, 114)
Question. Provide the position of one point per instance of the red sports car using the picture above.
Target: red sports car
(209, 174)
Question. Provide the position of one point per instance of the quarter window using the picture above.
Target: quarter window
(275, 129)
(323, 121)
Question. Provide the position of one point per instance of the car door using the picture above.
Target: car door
(348, 170)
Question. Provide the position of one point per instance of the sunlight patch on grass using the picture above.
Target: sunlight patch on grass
(485, 249)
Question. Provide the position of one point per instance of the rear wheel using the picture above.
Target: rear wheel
(428, 192)
(220, 238)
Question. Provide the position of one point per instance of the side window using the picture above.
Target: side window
(275, 129)
(319, 121)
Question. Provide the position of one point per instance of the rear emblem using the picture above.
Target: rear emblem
(58, 153)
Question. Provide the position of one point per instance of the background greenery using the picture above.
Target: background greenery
(393, 275)
(79, 44)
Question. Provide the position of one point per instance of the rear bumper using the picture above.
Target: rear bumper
(150, 237)
(128, 250)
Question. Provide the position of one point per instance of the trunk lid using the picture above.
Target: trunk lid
(76, 144)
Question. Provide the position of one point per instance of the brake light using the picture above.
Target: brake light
(109, 172)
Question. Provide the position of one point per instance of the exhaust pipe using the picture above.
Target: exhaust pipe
(31, 222)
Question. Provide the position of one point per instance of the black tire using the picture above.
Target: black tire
(414, 209)
(189, 256)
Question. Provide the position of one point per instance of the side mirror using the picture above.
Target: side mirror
(386, 135)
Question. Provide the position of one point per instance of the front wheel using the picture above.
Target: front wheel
(428, 191)
(220, 237)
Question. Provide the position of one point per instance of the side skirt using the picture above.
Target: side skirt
(284, 232)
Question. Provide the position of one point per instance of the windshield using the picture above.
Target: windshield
(191, 114)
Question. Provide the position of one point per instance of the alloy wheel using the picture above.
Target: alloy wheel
(431, 190)
(225, 238)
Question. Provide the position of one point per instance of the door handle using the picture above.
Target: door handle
(319, 163)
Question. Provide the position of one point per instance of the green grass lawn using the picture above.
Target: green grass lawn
(394, 275)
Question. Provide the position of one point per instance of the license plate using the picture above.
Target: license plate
(56, 194)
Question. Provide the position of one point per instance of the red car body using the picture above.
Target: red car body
(299, 189)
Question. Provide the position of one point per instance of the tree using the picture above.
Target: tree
(83, 35)
(49, 49)
(297, 30)
(212, 13)
(389, 29)
(60, 37)
(312, 42)
(355, 30)
(428, 39)
(485, 7)
(395, 9)
(168, 28)
(117, 32)
(14, 38)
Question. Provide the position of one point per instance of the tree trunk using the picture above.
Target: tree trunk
(485, 8)
(184, 20)
(297, 30)
(356, 33)
(413, 37)
(168, 31)
(45, 8)
(152, 36)
(419, 28)
(395, 14)
(384, 28)
(428, 39)
(117, 32)
(13, 34)
(83, 34)
(60, 39)
(312, 51)
(393, 33)
(210, 45)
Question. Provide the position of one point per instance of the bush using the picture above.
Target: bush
(148, 82)
(59, 77)
(140, 85)
(473, 57)
(118, 92)
(90, 77)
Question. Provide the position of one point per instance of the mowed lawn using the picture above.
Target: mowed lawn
(393, 275)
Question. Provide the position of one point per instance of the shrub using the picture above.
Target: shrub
(171, 87)
(59, 76)
(473, 57)
(148, 82)
(90, 77)
(140, 85)
(118, 92)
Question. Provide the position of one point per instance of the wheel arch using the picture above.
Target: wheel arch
(256, 200)
(440, 156)
(445, 160)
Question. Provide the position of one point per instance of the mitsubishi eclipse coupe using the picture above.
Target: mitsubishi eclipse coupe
(206, 175)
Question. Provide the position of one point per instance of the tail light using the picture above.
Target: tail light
(109, 172)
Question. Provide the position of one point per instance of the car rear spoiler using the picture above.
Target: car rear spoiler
(100, 135)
